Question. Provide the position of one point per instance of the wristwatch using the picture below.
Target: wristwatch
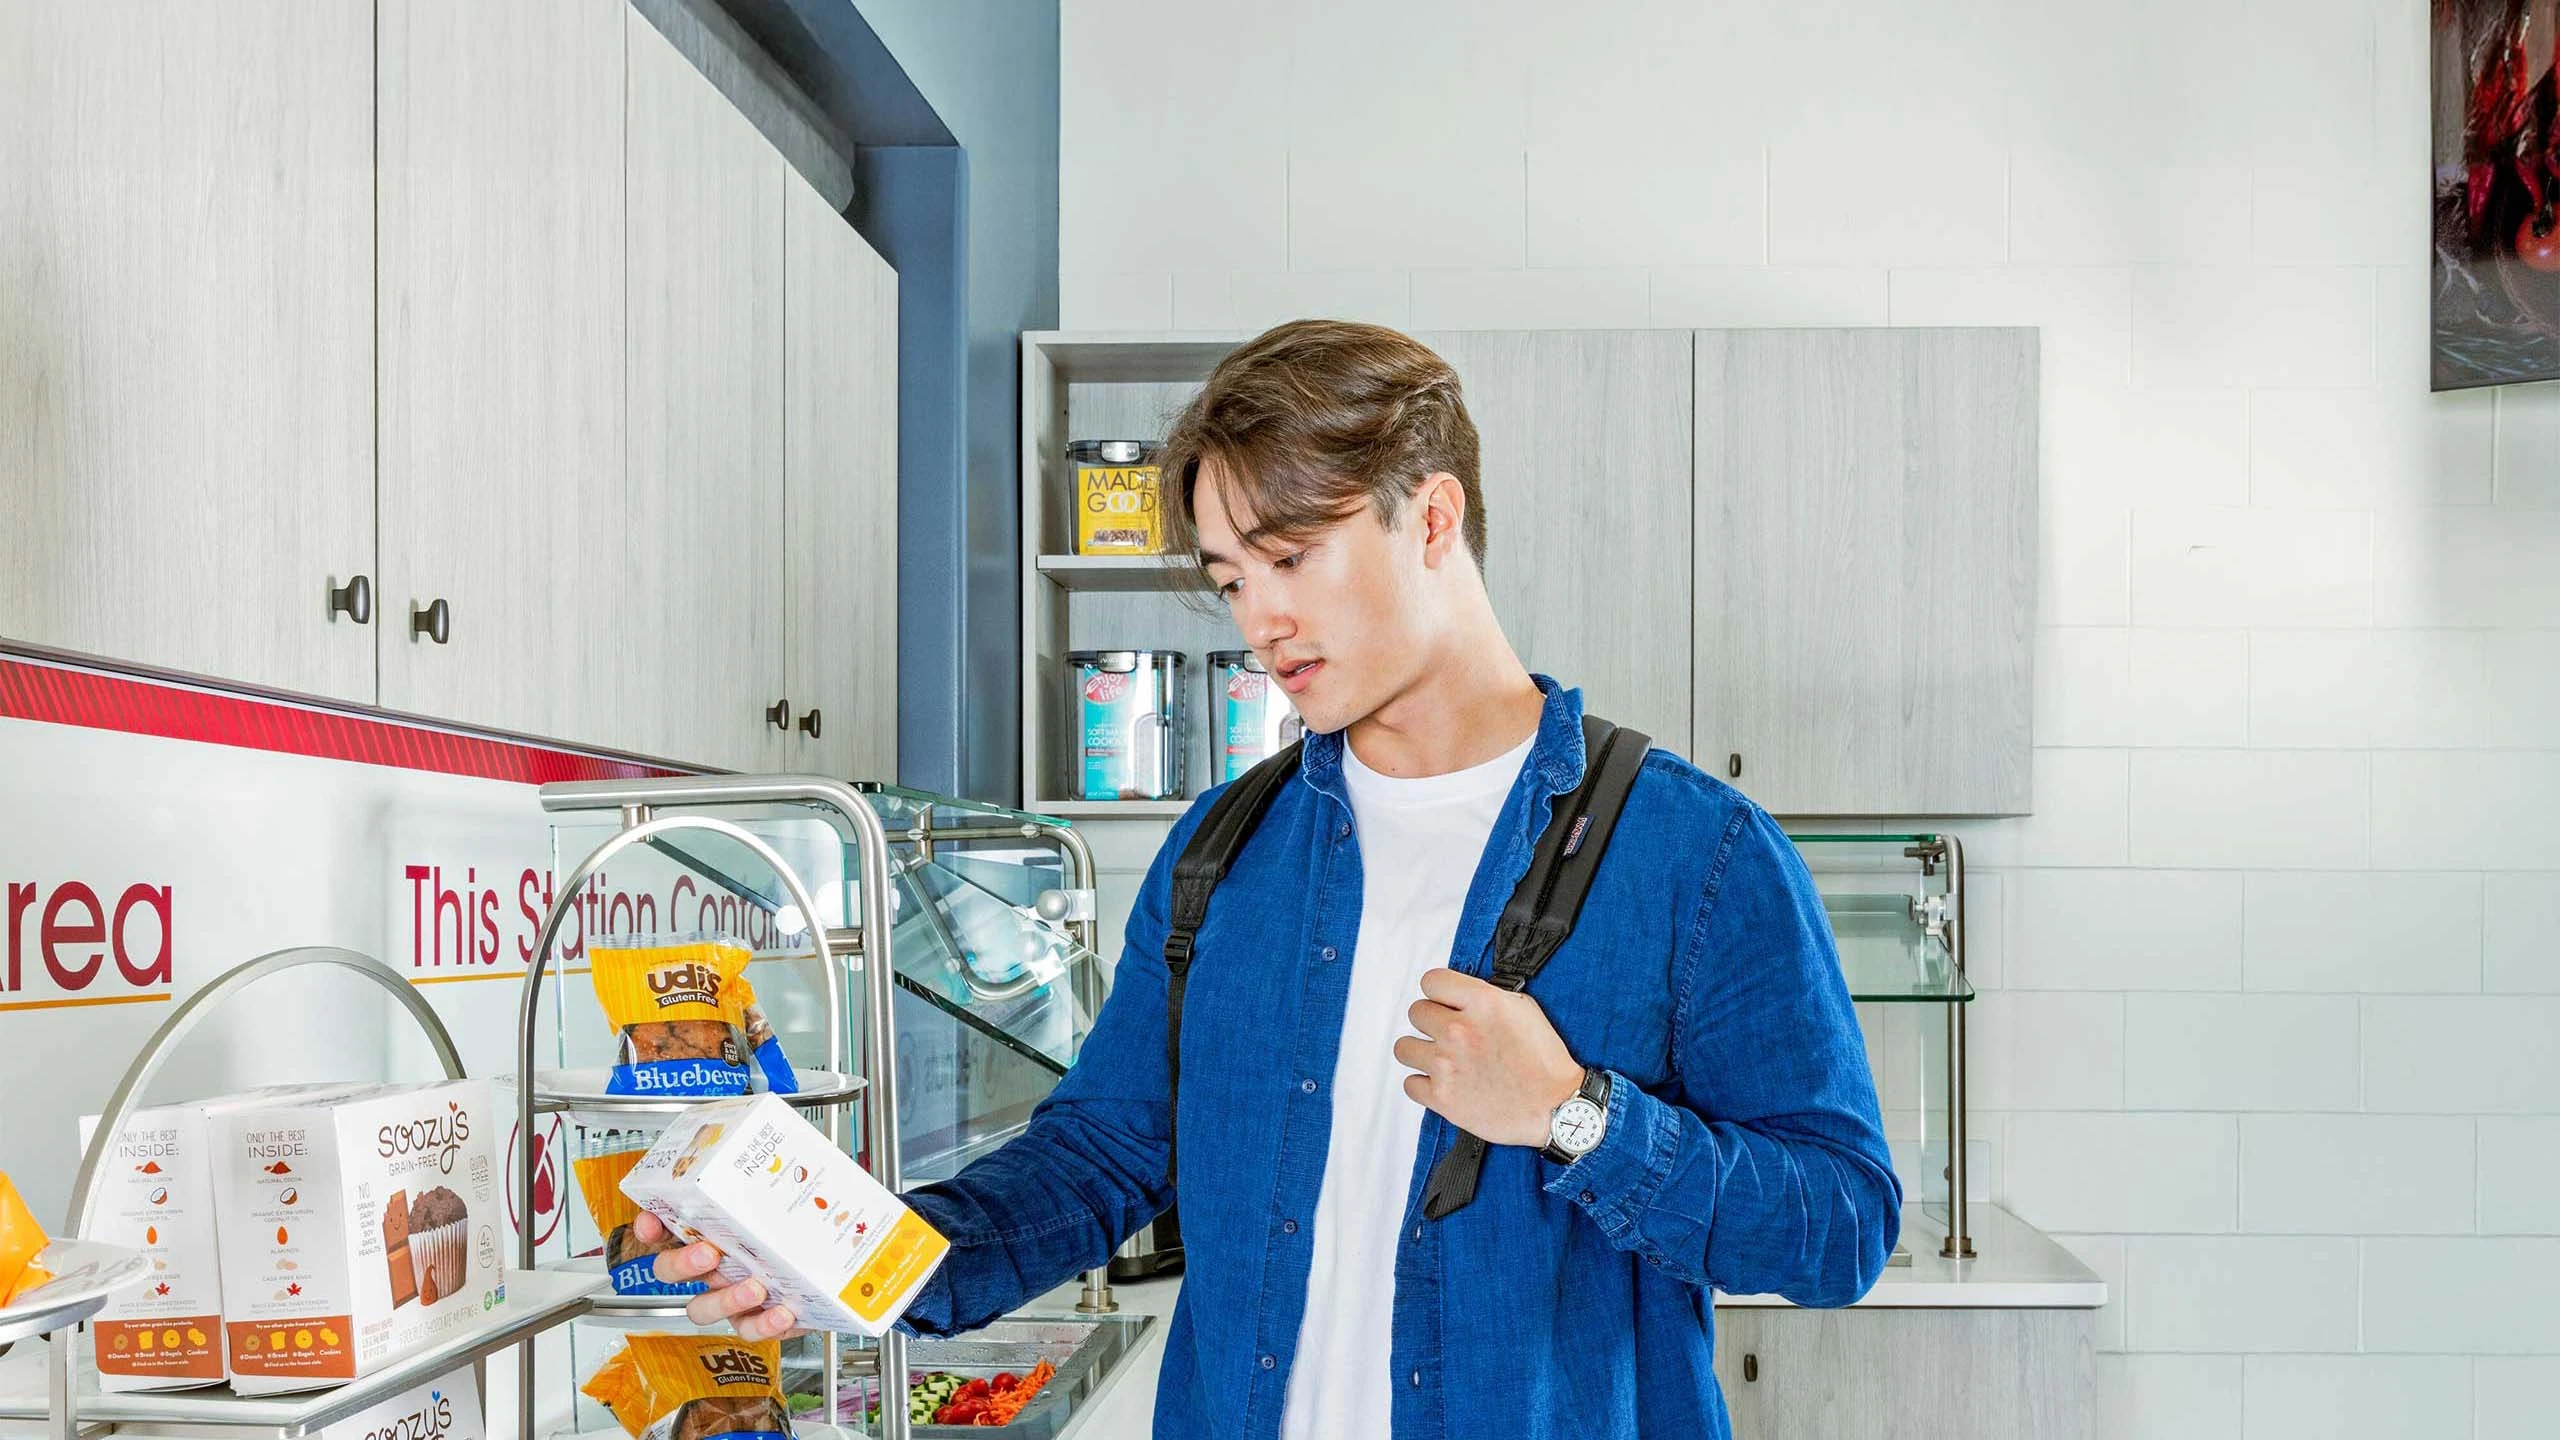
(1574, 1130)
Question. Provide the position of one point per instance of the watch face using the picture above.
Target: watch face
(1577, 1126)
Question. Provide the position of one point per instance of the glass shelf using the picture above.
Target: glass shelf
(1889, 956)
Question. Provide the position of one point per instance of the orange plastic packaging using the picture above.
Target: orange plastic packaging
(20, 1239)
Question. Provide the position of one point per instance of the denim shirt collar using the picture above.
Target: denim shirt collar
(1554, 766)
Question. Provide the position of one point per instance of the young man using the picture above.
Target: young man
(1326, 477)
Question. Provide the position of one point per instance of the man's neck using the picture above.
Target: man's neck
(1475, 704)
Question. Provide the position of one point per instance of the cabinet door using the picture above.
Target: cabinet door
(1866, 567)
(1586, 485)
(1893, 1374)
(186, 334)
(502, 348)
(840, 496)
(704, 519)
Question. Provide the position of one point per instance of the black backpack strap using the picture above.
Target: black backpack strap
(1543, 909)
(1213, 848)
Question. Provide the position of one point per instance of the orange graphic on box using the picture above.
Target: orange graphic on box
(173, 1347)
(310, 1345)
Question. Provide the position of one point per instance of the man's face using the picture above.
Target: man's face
(1342, 619)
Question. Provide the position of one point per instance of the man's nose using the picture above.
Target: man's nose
(1264, 624)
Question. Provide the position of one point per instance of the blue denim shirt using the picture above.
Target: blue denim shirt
(1743, 1151)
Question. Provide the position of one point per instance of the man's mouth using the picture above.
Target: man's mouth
(1297, 677)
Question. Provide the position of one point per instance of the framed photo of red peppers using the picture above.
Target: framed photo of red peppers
(2496, 268)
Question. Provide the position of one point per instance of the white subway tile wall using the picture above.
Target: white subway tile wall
(2276, 1030)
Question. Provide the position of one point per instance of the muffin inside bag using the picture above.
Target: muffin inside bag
(685, 1017)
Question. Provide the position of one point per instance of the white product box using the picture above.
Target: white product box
(442, 1409)
(154, 1190)
(790, 1209)
(354, 1229)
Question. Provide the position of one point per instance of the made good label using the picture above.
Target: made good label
(1118, 511)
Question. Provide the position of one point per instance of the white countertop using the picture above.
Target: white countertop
(2015, 1268)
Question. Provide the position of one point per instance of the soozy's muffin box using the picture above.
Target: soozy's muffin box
(354, 1229)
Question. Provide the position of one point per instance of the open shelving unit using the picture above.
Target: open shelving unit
(1103, 386)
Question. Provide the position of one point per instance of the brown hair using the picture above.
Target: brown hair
(1314, 419)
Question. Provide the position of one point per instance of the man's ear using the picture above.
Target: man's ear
(1441, 503)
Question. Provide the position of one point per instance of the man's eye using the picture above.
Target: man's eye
(1289, 562)
(1230, 588)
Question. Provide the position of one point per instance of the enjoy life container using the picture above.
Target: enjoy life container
(1254, 718)
(1129, 723)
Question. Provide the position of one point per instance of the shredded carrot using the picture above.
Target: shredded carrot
(1002, 1409)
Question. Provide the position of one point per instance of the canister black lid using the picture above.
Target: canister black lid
(1124, 659)
(1111, 452)
(1235, 659)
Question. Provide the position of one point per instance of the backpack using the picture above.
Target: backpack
(1534, 925)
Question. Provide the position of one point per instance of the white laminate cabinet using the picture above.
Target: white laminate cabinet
(1586, 480)
(1895, 1374)
(186, 334)
(501, 263)
(704, 365)
(1865, 528)
(840, 497)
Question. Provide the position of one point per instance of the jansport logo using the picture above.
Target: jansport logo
(428, 1422)
(1106, 686)
(692, 983)
(435, 1137)
(737, 1367)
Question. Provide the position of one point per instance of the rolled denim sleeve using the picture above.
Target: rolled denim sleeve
(1091, 1166)
(1761, 1167)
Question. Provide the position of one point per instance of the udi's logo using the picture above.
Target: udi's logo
(692, 983)
(69, 933)
(428, 1422)
(1106, 686)
(732, 1366)
(435, 1138)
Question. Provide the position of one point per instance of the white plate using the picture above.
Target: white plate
(584, 1089)
(85, 1273)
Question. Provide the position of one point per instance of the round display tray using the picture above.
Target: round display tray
(583, 1091)
(85, 1274)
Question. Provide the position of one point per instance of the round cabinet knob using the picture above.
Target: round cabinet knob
(809, 724)
(353, 600)
(778, 715)
(435, 621)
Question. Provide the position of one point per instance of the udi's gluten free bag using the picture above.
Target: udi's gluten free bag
(789, 1208)
(685, 1019)
(154, 1193)
(601, 1163)
(355, 1229)
(694, 1387)
(20, 1238)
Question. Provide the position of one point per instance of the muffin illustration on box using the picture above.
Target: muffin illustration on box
(439, 1243)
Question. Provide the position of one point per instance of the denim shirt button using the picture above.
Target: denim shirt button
(1417, 1232)
(1269, 1361)
(1307, 1085)
(1417, 1379)
(1588, 1197)
(1288, 1227)
(1342, 831)
(1327, 952)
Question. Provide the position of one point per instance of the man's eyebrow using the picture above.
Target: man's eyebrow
(1209, 557)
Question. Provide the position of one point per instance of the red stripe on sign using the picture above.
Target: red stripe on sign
(67, 695)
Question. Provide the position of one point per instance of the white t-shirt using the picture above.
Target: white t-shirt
(1420, 843)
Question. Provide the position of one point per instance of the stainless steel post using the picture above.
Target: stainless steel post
(1096, 1299)
(1959, 1241)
